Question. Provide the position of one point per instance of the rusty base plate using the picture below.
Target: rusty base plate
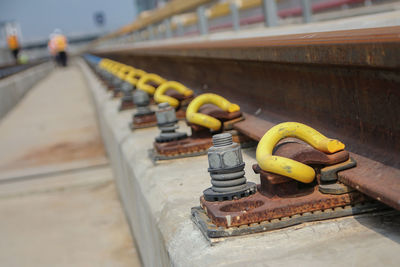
(187, 147)
(134, 126)
(125, 105)
(117, 94)
(144, 121)
(155, 156)
(109, 87)
(259, 207)
(192, 146)
(210, 230)
(151, 120)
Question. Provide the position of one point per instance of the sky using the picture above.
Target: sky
(38, 18)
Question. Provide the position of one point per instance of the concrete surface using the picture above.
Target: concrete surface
(5, 56)
(13, 88)
(58, 200)
(52, 129)
(72, 219)
(157, 200)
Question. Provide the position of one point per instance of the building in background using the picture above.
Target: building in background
(143, 5)
(39, 18)
(35, 20)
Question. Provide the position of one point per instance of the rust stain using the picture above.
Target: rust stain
(279, 196)
(62, 152)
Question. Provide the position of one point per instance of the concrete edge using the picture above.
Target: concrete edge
(13, 88)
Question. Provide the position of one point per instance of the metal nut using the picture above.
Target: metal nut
(165, 114)
(141, 98)
(224, 154)
(226, 168)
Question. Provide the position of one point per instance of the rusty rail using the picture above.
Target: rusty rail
(173, 11)
(344, 83)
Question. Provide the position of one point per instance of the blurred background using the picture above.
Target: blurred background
(84, 21)
(58, 200)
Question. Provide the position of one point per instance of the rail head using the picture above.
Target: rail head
(371, 47)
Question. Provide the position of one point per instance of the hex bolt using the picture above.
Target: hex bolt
(142, 102)
(98, 69)
(116, 81)
(107, 75)
(166, 121)
(127, 89)
(226, 168)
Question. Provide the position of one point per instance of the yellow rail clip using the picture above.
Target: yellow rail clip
(134, 76)
(193, 116)
(149, 77)
(124, 71)
(288, 167)
(159, 96)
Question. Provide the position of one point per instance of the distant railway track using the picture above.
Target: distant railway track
(344, 83)
(9, 70)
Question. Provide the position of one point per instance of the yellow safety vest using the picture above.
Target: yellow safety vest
(60, 43)
(12, 41)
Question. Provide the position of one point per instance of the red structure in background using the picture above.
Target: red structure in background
(289, 12)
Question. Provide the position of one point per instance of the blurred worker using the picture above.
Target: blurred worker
(52, 49)
(13, 44)
(58, 47)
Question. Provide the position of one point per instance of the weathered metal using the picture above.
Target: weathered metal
(371, 177)
(201, 138)
(210, 230)
(126, 103)
(117, 93)
(144, 114)
(167, 124)
(184, 147)
(329, 174)
(226, 168)
(335, 188)
(353, 72)
(257, 208)
(278, 196)
(363, 114)
(140, 122)
(150, 120)
(343, 83)
(374, 179)
(374, 47)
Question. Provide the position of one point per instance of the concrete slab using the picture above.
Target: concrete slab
(57, 192)
(157, 200)
(13, 88)
(73, 219)
(52, 129)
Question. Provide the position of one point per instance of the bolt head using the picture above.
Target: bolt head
(127, 87)
(141, 98)
(166, 115)
(214, 161)
(230, 158)
(225, 157)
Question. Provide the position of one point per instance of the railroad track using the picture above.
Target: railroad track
(344, 83)
(9, 70)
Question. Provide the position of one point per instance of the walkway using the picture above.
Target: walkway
(58, 200)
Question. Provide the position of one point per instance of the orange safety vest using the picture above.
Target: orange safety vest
(59, 42)
(12, 41)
